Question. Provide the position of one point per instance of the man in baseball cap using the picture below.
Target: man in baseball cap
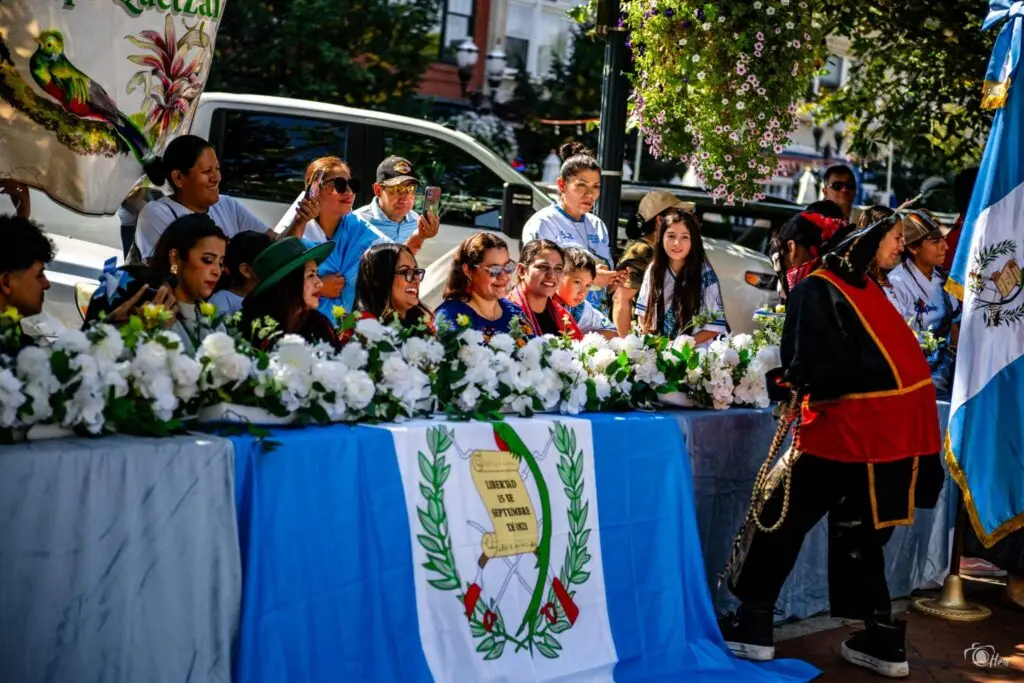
(391, 209)
(638, 255)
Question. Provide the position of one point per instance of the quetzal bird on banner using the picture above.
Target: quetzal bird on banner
(81, 95)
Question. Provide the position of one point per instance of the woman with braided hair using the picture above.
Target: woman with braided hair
(864, 452)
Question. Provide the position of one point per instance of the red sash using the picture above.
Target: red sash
(896, 422)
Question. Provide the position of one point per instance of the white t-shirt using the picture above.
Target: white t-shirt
(552, 223)
(228, 213)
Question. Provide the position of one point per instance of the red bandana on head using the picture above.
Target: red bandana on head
(828, 226)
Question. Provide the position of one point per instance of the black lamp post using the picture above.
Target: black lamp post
(466, 56)
(612, 135)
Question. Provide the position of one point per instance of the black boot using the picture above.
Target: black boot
(881, 647)
(748, 633)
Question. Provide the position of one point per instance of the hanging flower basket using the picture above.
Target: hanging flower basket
(717, 85)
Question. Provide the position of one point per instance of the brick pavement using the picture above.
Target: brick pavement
(935, 647)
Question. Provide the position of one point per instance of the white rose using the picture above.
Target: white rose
(731, 357)
(742, 341)
(718, 347)
(602, 359)
(109, 347)
(72, 341)
(372, 330)
(503, 343)
(150, 358)
(354, 356)
(217, 345)
(469, 398)
(415, 350)
(11, 398)
(472, 337)
(33, 362)
(185, 373)
(770, 357)
(435, 351)
(234, 367)
(602, 387)
(359, 389)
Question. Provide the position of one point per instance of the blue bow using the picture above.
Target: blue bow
(1005, 53)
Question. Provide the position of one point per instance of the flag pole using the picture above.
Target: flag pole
(951, 604)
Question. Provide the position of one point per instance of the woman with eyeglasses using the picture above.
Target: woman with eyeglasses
(389, 287)
(680, 293)
(474, 295)
(569, 223)
(541, 266)
(332, 190)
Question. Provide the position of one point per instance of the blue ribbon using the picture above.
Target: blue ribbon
(1006, 51)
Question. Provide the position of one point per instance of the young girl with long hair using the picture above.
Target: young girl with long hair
(680, 284)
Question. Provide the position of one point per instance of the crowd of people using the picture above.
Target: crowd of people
(845, 283)
(195, 245)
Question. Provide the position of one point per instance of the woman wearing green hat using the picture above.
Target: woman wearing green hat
(288, 294)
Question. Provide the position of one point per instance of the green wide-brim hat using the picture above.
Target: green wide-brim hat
(283, 257)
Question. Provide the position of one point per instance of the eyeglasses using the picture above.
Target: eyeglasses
(584, 189)
(495, 271)
(401, 190)
(411, 274)
(343, 185)
(849, 185)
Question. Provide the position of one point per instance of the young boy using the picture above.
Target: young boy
(580, 271)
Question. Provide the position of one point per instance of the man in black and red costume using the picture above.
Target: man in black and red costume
(866, 450)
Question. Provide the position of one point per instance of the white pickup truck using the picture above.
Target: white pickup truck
(264, 145)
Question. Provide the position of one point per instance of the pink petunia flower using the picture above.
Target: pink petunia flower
(759, 36)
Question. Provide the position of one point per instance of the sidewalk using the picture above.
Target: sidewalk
(935, 647)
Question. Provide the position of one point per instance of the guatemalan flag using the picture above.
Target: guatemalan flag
(985, 441)
(550, 549)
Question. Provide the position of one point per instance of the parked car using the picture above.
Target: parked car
(264, 144)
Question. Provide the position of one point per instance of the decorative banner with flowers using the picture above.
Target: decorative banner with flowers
(716, 85)
(90, 91)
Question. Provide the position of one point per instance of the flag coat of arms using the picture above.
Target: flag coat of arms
(985, 439)
(90, 91)
(541, 550)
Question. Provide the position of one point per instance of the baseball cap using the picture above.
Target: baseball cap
(395, 171)
(920, 224)
(655, 202)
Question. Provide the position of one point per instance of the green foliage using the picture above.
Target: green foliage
(916, 80)
(362, 53)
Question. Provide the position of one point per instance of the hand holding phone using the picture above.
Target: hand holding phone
(313, 191)
(432, 201)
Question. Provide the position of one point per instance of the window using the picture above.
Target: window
(264, 156)
(834, 76)
(468, 187)
(454, 25)
(517, 53)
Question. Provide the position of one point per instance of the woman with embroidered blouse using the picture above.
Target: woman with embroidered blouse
(680, 285)
(540, 276)
(475, 294)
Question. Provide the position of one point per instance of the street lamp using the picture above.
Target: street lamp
(465, 58)
(495, 68)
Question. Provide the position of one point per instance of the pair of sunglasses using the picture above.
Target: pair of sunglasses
(849, 185)
(495, 271)
(411, 274)
(342, 185)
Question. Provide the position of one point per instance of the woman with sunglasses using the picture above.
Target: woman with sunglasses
(681, 285)
(569, 223)
(389, 287)
(332, 189)
(474, 295)
(541, 266)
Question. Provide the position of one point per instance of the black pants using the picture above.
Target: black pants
(856, 565)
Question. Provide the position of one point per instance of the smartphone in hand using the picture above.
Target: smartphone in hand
(432, 200)
(314, 185)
